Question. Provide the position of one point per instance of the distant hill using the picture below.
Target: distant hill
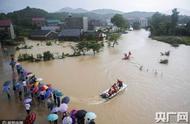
(97, 11)
(71, 10)
(24, 17)
(138, 14)
(106, 11)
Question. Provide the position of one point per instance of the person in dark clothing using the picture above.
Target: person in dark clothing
(80, 114)
(120, 83)
(55, 99)
(12, 63)
(58, 101)
(20, 94)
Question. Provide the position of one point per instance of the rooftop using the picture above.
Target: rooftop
(40, 32)
(5, 22)
(70, 33)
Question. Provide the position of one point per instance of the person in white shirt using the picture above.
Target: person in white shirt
(27, 107)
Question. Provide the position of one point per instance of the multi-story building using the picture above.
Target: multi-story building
(76, 23)
(7, 27)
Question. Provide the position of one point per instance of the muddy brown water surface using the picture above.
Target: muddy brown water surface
(84, 78)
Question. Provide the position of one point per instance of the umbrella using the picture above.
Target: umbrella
(54, 110)
(39, 79)
(29, 74)
(44, 87)
(36, 84)
(50, 89)
(52, 117)
(67, 120)
(58, 93)
(6, 83)
(47, 94)
(24, 83)
(27, 100)
(66, 100)
(63, 107)
(30, 118)
(35, 90)
(90, 116)
(6, 89)
(80, 114)
(17, 64)
(18, 85)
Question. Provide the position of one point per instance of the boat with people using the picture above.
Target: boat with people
(163, 61)
(167, 53)
(114, 90)
(127, 56)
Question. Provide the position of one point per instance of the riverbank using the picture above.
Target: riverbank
(173, 40)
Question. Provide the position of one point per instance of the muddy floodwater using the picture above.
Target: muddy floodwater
(156, 88)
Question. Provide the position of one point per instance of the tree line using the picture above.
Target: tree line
(164, 25)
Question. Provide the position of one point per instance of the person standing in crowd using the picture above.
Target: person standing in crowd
(14, 78)
(27, 107)
(24, 86)
(12, 63)
(18, 87)
(67, 119)
(18, 68)
(54, 98)
(6, 89)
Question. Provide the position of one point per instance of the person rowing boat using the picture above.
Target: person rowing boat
(114, 90)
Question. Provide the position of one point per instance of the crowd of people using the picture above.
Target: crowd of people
(29, 88)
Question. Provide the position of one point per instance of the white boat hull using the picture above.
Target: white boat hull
(103, 94)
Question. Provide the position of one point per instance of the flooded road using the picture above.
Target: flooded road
(84, 78)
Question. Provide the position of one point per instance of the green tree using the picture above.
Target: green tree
(119, 21)
(188, 28)
(160, 24)
(85, 46)
(95, 46)
(136, 25)
(47, 56)
(174, 20)
(82, 47)
(113, 38)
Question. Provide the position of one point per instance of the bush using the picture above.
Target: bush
(47, 56)
(25, 57)
(48, 43)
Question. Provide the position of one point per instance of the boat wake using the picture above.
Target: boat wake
(96, 100)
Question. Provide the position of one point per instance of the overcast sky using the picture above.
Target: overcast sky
(123, 5)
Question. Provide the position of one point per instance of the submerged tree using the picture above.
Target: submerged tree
(113, 38)
(85, 46)
(47, 56)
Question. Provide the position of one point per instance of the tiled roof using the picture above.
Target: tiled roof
(70, 33)
(5, 22)
(40, 32)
